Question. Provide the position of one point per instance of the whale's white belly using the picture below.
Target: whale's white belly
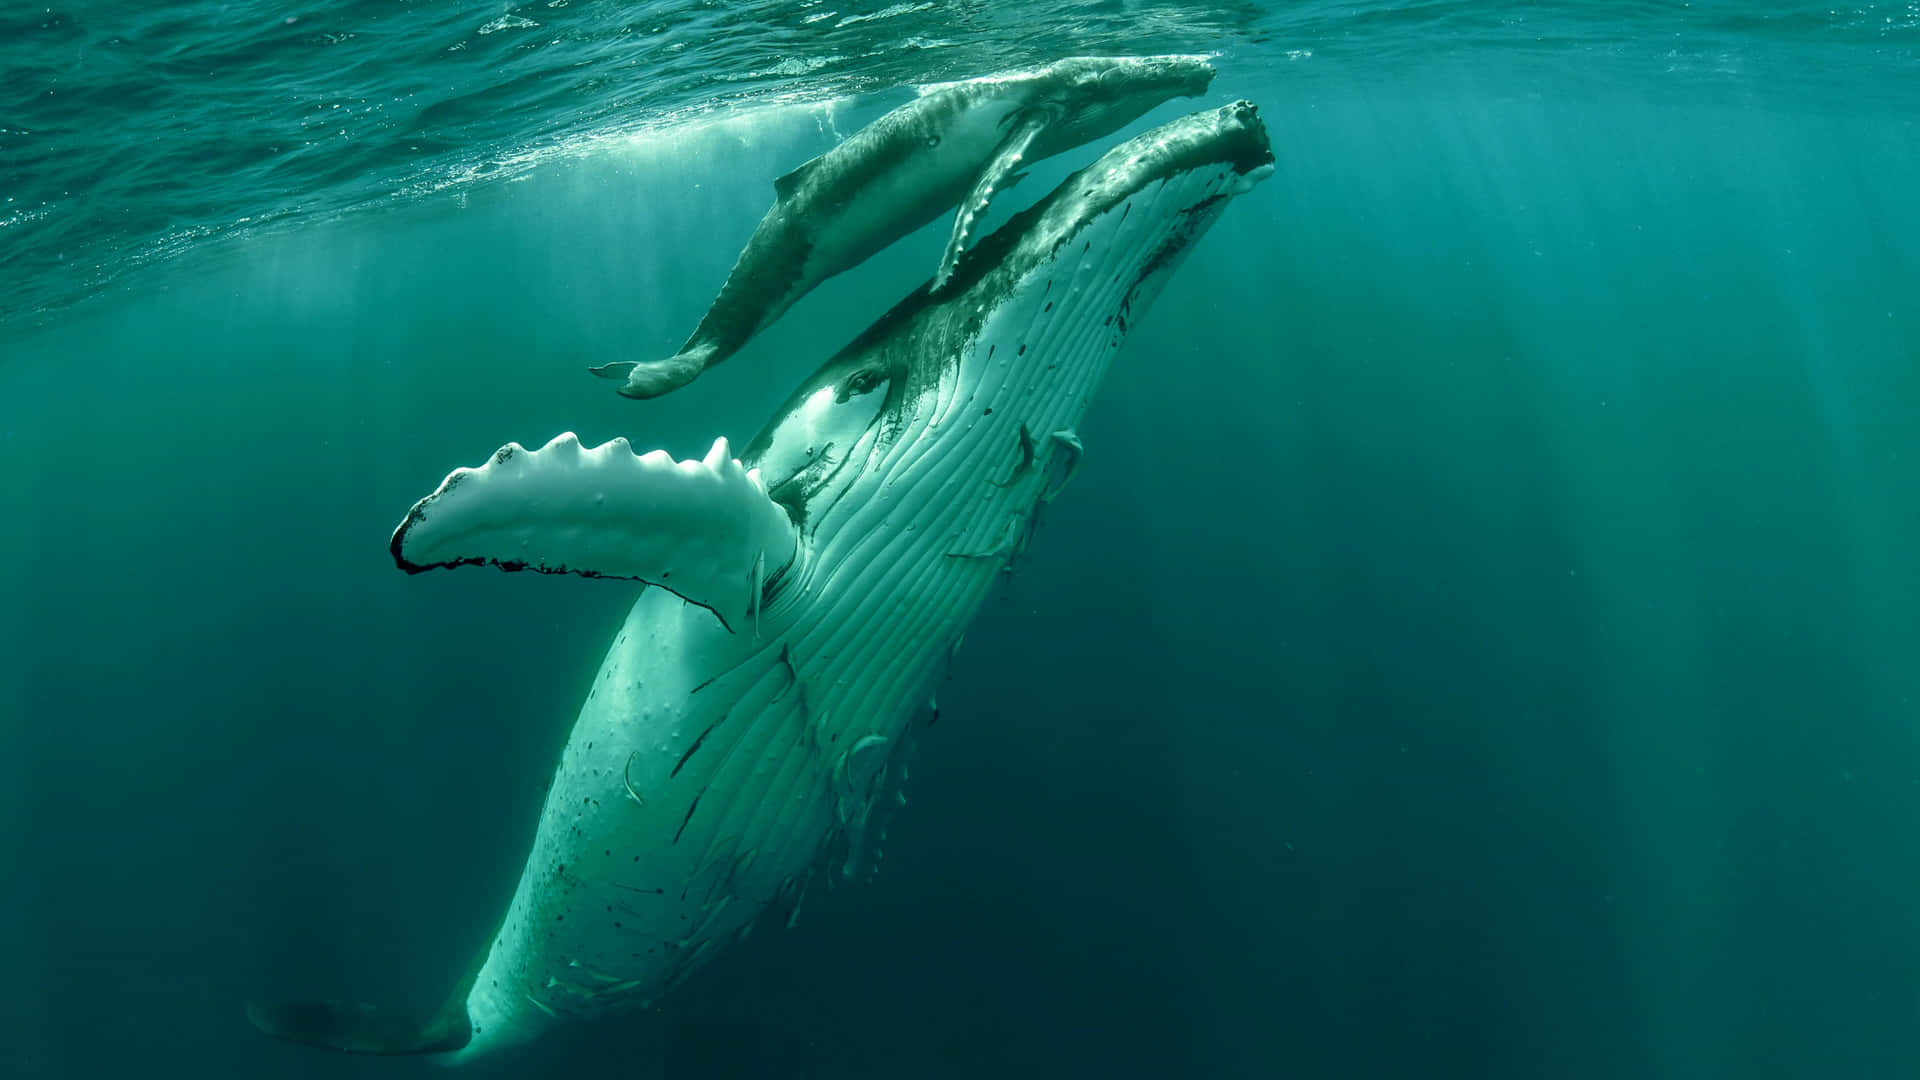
(707, 770)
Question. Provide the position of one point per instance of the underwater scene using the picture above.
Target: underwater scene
(1320, 539)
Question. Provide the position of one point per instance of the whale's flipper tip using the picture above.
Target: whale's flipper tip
(656, 377)
(619, 369)
(356, 1028)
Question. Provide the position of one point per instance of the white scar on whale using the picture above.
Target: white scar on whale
(957, 144)
(752, 721)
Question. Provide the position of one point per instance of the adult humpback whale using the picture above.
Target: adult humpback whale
(755, 710)
(956, 144)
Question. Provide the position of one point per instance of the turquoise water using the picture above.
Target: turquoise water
(131, 133)
(1481, 643)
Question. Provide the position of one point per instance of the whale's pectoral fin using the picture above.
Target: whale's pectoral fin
(998, 173)
(704, 530)
(655, 377)
(356, 1028)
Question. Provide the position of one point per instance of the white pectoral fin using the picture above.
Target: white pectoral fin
(703, 529)
(998, 173)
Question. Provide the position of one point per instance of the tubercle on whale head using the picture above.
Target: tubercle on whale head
(1254, 145)
(1233, 135)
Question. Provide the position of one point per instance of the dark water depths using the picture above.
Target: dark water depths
(1481, 642)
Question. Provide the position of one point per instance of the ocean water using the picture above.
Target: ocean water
(1484, 640)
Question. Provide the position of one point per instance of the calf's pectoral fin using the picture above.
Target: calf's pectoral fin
(702, 529)
(997, 173)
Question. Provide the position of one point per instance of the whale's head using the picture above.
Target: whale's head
(1051, 294)
(1169, 174)
(1033, 310)
(1083, 262)
(1091, 97)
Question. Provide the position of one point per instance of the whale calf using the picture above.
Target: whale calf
(753, 718)
(958, 143)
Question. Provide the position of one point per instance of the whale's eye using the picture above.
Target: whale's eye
(933, 141)
(860, 382)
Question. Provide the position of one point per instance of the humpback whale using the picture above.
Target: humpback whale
(752, 721)
(958, 143)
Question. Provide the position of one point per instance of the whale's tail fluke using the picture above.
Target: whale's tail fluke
(356, 1028)
(655, 377)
